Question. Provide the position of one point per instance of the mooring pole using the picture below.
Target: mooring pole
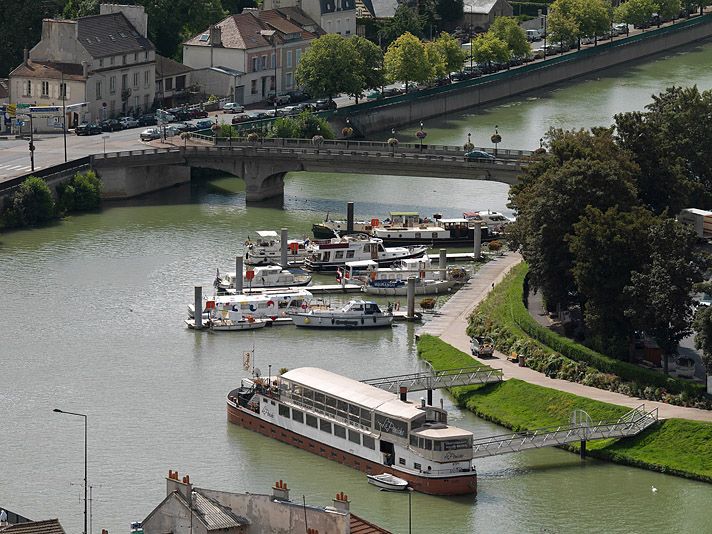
(443, 264)
(283, 248)
(430, 397)
(198, 315)
(477, 249)
(410, 296)
(239, 261)
(349, 217)
(582, 449)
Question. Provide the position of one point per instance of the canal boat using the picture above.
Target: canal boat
(393, 281)
(267, 249)
(355, 314)
(331, 254)
(388, 482)
(439, 232)
(261, 276)
(233, 321)
(358, 425)
(270, 304)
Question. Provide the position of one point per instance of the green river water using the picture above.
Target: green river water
(92, 312)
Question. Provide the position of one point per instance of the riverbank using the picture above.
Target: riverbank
(674, 446)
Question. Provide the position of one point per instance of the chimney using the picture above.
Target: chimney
(404, 393)
(136, 15)
(184, 487)
(342, 503)
(85, 69)
(280, 491)
(26, 55)
(215, 35)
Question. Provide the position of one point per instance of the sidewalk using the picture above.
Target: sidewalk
(450, 326)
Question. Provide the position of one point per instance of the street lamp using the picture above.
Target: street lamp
(63, 93)
(410, 521)
(271, 35)
(57, 410)
(496, 139)
(541, 142)
(420, 134)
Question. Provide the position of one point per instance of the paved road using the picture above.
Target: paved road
(451, 324)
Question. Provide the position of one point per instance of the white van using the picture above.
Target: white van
(533, 35)
(233, 107)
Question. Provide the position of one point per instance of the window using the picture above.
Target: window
(354, 436)
(29, 88)
(271, 83)
(180, 83)
(339, 431)
(135, 56)
(135, 79)
(98, 90)
(299, 55)
(369, 442)
(145, 55)
(112, 85)
(428, 444)
(124, 60)
(284, 410)
(255, 66)
(311, 420)
(45, 88)
(289, 58)
(325, 426)
(416, 465)
(145, 102)
(414, 440)
(273, 61)
(401, 461)
(124, 81)
(288, 80)
(112, 107)
(137, 104)
(169, 84)
(101, 62)
(339, 255)
(263, 63)
(349, 254)
(111, 60)
(63, 90)
(297, 416)
(146, 78)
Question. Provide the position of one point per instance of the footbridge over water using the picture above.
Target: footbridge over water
(264, 164)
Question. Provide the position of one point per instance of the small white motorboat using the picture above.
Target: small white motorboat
(259, 277)
(356, 314)
(388, 482)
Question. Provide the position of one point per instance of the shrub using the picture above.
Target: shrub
(227, 130)
(310, 125)
(494, 246)
(32, 203)
(81, 193)
(285, 128)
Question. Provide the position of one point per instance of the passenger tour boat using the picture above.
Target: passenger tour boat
(355, 314)
(358, 425)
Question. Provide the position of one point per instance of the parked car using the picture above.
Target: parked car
(179, 114)
(171, 131)
(149, 134)
(298, 96)
(181, 127)
(324, 104)
(204, 124)
(197, 113)
(482, 346)
(280, 100)
(111, 125)
(287, 110)
(533, 35)
(128, 122)
(479, 155)
(304, 106)
(88, 129)
(233, 107)
(147, 120)
(242, 117)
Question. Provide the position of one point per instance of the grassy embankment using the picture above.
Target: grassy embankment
(674, 446)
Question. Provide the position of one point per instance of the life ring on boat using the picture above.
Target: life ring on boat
(304, 306)
(250, 319)
(270, 303)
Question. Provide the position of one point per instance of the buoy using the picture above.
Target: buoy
(306, 320)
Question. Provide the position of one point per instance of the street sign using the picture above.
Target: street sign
(45, 109)
(23, 106)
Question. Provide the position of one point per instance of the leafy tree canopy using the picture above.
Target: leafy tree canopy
(703, 335)
(635, 11)
(436, 60)
(452, 52)
(405, 20)
(488, 48)
(331, 66)
(563, 24)
(508, 30)
(405, 60)
(371, 61)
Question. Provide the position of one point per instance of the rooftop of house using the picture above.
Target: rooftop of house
(361, 526)
(381, 9)
(49, 70)
(478, 6)
(244, 31)
(48, 526)
(109, 35)
(167, 67)
(4, 89)
(332, 6)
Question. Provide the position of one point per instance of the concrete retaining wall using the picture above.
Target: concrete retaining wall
(126, 182)
(438, 103)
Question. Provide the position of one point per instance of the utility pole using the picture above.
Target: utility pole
(32, 144)
(63, 93)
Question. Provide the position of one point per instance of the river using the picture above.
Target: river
(92, 313)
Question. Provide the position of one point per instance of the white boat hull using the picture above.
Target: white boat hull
(388, 482)
(435, 287)
(337, 320)
(234, 326)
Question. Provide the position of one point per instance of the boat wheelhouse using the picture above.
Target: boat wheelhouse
(267, 249)
(329, 255)
(358, 425)
(355, 314)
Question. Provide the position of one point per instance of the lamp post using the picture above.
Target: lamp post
(496, 139)
(63, 92)
(410, 520)
(57, 410)
(421, 135)
(541, 142)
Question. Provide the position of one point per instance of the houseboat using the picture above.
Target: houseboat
(329, 255)
(261, 276)
(439, 232)
(267, 249)
(355, 314)
(358, 425)
(258, 303)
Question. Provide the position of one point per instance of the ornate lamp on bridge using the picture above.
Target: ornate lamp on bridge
(347, 131)
(469, 146)
(496, 139)
(215, 128)
(318, 139)
(393, 142)
(420, 134)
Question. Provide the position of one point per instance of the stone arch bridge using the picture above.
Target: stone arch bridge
(264, 164)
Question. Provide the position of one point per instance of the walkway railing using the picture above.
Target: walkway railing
(447, 378)
(581, 429)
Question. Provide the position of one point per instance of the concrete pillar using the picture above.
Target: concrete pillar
(403, 393)
(442, 265)
(477, 250)
(430, 397)
(582, 450)
(239, 261)
(349, 217)
(410, 295)
(198, 307)
(283, 244)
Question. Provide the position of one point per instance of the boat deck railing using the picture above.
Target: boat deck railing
(582, 428)
(429, 380)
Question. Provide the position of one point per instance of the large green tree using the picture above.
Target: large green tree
(593, 17)
(80, 8)
(702, 326)
(563, 23)
(452, 52)
(371, 64)
(635, 12)
(668, 9)
(580, 169)
(660, 290)
(405, 61)
(405, 20)
(330, 66)
(488, 48)
(436, 60)
(508, 30)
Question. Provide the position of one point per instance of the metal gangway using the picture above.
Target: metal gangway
(430, 380)
(581, 429)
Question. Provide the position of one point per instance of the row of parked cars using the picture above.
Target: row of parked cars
(149, 134)
(148, 119)
(319, 105)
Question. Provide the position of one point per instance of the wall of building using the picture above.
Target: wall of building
(145, 89)
(383, 118)
(173, 517)
(342, 22)
(214, 82)
(59, 43)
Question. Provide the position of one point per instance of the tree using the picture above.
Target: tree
(668, 9)
(636, 12)
(330, 66)
(33, 203)
(405, 60)
(563, 23)
(450, 12)
(487, 48)
(660, 290)
(593, 17)
(436, 60)
(452, 52)
(581, 168)
(404, 20)
(508, 30)
(232, 7)
(74, 9)
(606, 247)
(371, 63)
(702, 326)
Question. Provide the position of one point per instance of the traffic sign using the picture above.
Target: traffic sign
(45, 109)
(23, 106)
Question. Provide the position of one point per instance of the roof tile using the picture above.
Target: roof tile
(110, 34)
(48, 526)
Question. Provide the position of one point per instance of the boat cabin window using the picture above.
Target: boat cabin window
(284, 410)
(355, 437)
(416, 465)
(339, 255)
(380, 247)
(418, 421)
(366, 247)
(339, 431)
(349, 254)
(453, 444)
(325, 426)
(435, 235)
(372, 308)
(311, 420)
(401, 461)
(357, 307)
(297, 416)
(369, 442)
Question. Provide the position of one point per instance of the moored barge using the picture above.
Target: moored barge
(359, 425)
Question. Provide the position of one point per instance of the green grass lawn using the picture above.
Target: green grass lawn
(675, 446)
